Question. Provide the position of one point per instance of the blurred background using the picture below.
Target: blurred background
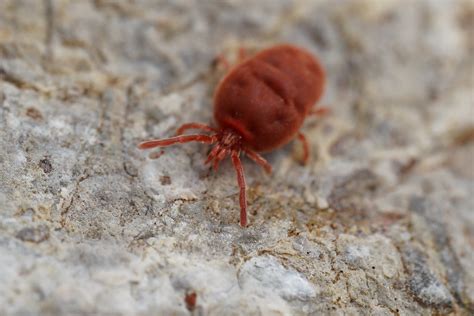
(380, 222)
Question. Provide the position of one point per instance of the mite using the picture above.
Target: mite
(190, 299)
(259, 106)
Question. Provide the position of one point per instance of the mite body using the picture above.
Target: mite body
(259, 106)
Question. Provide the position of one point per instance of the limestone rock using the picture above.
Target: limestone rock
(380, 222)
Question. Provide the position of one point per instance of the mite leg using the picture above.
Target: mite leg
(241, 180)
(200, 126)
(320, 111)
(243, 53)
(221, 60)
(213, 154)
(221, 155)
(305, 144)
(177, 139)
(217, 154)
(257, 158)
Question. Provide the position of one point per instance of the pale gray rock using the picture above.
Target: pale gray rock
(380, 222)
(267, 273)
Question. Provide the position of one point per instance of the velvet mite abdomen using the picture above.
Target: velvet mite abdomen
(259, 106)
(266, 98)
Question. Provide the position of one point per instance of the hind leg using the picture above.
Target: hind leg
(223, 61)
(320, 111)
(305, 144)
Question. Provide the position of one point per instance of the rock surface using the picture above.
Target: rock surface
(381, 221)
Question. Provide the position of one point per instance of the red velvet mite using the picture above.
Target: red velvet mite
(259, 106)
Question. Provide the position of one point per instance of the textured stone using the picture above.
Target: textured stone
(34, 234)
(424, 284)
(267, 273)
(379, 222)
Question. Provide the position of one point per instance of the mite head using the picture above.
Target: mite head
(227, 142)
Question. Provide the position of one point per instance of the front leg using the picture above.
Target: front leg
(193, 125)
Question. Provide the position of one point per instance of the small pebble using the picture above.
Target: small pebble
(322, 203)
